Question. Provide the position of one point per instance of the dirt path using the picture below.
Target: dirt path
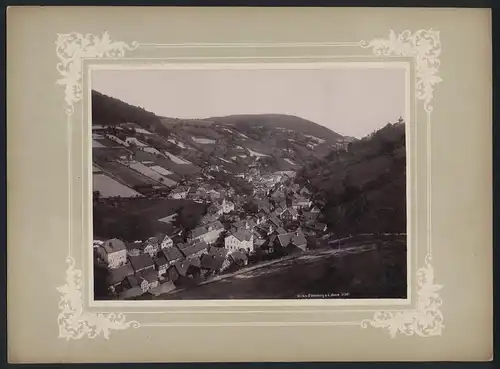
(360, 271)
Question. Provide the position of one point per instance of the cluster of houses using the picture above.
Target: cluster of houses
(282, 219)
(157, 263)
(280, 222)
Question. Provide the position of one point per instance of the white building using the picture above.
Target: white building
(209, 233)
(167, 242)
(301, 202)
(179, 193)
(115, 253)
(227, 206)
(241, 239)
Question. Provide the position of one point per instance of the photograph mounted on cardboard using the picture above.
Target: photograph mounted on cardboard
(249, 183)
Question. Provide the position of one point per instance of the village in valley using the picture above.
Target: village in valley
(235, 232)
(182, 204)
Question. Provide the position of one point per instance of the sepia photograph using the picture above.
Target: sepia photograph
(249, 182)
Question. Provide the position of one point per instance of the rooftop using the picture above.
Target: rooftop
(141, 261)
(196, 262)
(181, 189)
(218, 251)
(193, 249)
(299, 240)
(117, 275)
(161, 260)
(182, 266)
(239, 256)
(212, 262)
(243, 235)
(150, 276)
(133, 245)
(172, 253)
(292, 211)
(199, 231)
(285, 238)
(113, 245)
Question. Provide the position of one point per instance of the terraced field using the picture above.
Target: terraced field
(124, 174)
(108, 187)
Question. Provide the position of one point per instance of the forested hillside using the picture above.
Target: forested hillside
(108, 111)
(363, 188)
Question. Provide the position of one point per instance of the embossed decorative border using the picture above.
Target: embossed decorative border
(423, 46)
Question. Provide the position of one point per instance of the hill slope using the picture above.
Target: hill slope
(284, 121)
(363, 189)
(361, 183)
(109, 111)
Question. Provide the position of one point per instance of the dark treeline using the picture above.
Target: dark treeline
(107, 110)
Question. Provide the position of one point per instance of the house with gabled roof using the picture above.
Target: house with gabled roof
(242, 239)
(248, 224)
(239, 258)
(299, 240)
(310, 217)
(197, 233)
(273, 220)
(148, 279)
(320, 227)
(141, 263)
(194, 250)
(212, 263)
(117, 275)
(227, 206)
(209, 218)
(178, 269)
(180, 192)
(114, 252)
(261, 217)
(161, 264)
(315, 209)
(131, 287)
(152, 245)
(134, 248)
(295, 187)
(284, 239)
(166, 242)
(304, 191)
(278, 196)
(218, 251)
(299, 202)
(263, 205)
(269, 244)
(259, 236)
(214, 209)
(209, 233)
(172, 255)
(289, 214)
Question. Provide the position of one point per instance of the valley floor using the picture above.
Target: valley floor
(368, 270)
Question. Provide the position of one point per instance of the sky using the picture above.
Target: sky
(351, 102)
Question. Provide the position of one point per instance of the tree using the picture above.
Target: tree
(101, 275)
(250, 207)
(96, 196)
